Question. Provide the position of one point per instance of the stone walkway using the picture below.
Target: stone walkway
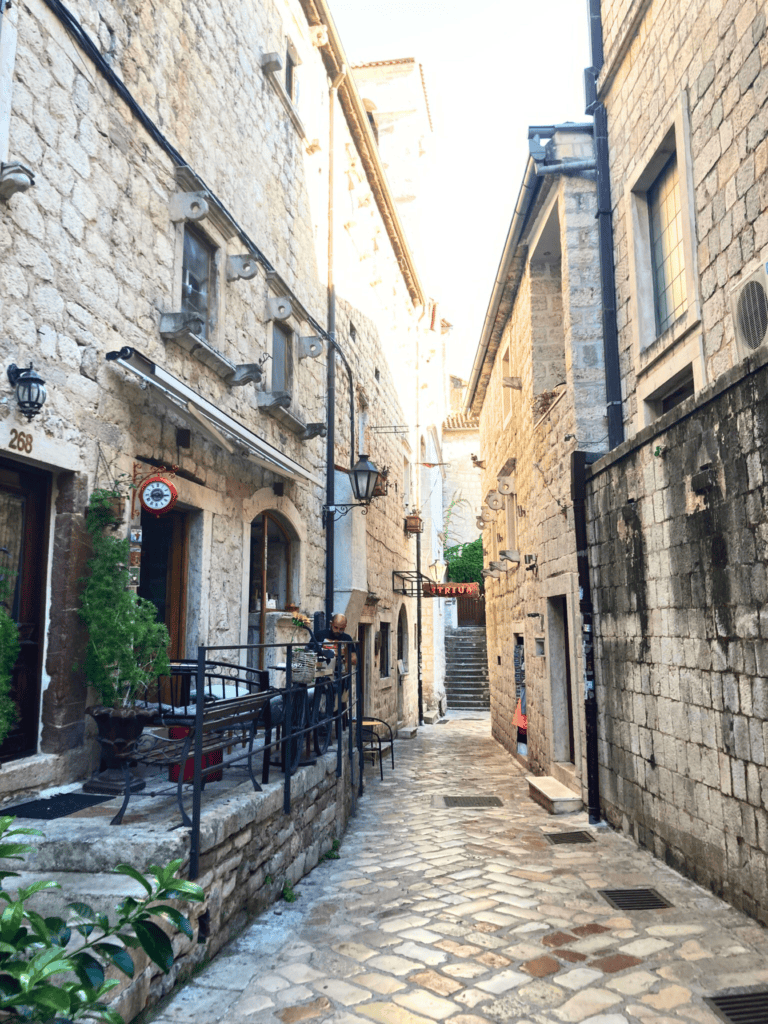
(469, 916)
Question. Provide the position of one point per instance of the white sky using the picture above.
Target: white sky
(492, 68)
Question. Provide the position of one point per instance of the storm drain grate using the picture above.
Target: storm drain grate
(559, 838)
(635, 899)
(744, 1008)
(472, 801)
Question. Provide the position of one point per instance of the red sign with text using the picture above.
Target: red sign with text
(451, 589)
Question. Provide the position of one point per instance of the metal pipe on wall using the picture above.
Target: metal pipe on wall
(419, 676)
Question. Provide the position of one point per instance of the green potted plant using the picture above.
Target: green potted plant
(127, 647)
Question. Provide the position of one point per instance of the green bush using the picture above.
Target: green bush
(465, 562)
(127, 647)
(35, 950)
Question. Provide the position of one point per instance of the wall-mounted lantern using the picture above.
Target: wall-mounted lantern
(30, 389)
(414, 523)
(363, 478)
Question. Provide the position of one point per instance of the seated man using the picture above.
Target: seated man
(337, 633)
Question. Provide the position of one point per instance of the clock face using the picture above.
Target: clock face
(158, 495)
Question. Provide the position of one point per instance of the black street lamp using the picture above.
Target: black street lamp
(30, 389)
(363, 477)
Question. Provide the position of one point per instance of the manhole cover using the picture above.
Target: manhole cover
(634, 899)
(742, 1008)
(558, 838)
(472, 801)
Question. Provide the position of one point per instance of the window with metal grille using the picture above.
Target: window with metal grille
(667, 256)
(197, 277)
(282, 358)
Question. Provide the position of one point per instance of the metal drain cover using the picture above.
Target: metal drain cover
(472, 801)
(742, 1008)
(635, 899)
(558, 838)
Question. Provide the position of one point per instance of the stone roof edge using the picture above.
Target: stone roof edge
(486, 351)
(317, 12)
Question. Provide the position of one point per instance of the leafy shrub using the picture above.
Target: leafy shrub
(465, 562)
(34, 950)
(127, 647)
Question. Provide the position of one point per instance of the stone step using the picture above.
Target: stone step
(553, 795)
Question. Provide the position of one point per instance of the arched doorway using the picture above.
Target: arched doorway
(273, 578)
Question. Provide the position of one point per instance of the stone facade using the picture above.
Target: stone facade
(677, 547)
(538, 389)
(676, 512)
(92, 261)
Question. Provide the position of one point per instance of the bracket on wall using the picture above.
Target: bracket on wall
(243, 267)
(311, 347)
(15, 177)
(313, 430)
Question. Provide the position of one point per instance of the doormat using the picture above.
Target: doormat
(58, 806)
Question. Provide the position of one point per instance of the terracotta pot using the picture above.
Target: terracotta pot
(118, 729)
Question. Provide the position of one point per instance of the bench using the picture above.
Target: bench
(226, 723)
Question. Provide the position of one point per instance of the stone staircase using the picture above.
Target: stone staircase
(466, 669)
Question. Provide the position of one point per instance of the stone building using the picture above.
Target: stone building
(195, 222)
(676, 511)
(537, 388)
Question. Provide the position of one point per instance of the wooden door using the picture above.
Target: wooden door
(163, 579)
(24, 499)
(470, 610)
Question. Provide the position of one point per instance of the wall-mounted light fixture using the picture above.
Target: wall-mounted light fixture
(437, 570)
(363, 477)
(30, 389)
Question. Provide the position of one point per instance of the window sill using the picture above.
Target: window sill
(665, 342)
(285, 99)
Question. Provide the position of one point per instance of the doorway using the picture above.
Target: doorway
(563, 747)
(163, 579)
(24, 501)
(363, 631)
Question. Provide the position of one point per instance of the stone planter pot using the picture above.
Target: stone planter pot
(118, 731)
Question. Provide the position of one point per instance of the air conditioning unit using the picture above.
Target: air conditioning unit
(749, 308)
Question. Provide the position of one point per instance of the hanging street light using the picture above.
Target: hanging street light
(437, 571)
(30, 389)
(364, 477)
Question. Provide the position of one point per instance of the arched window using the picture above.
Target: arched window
(273, 562)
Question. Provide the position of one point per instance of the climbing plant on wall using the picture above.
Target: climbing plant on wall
(465, 562)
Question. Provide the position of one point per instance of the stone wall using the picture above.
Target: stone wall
(90, 259)
(248, 849)
(553, 332)
(705, 61)
(677, 542)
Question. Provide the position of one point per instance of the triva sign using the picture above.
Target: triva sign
(450, 589)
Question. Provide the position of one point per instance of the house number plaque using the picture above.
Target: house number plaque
(20, 441)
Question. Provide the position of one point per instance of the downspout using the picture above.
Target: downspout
(605, 231)
(330, 482)
(578, 493)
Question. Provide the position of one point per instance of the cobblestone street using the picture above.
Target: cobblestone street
(470, 915)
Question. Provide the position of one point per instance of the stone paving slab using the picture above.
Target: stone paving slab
(437, 915)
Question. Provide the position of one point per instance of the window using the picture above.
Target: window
(282, 358)
(406, 482)
(272, 564)
(384, 650)
(402, 638)
(666, 237)
(511, 510)
(198, 277)
(665, 304)
(290, 72)
(506, 393)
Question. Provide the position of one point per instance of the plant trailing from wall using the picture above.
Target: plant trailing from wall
(456, 503)
(127, 647)
(52, 969)
(465, 562)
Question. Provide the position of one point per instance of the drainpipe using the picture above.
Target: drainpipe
(419, 675)
(605, 231)
(330, 482)
(578, 492)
